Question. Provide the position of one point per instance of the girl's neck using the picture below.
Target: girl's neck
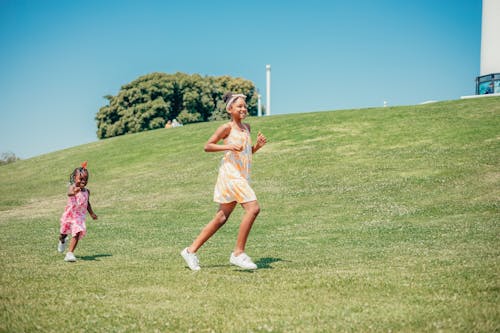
(238, 124)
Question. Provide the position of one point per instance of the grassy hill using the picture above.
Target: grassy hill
(381, 219)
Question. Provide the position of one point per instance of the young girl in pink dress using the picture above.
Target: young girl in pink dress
(233, 182)
(73, 218)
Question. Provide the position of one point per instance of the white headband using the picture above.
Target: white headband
(233, 98)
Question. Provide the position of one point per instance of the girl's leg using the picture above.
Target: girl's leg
(74, 242)
(62, 243)
(218, 221)
(252, 209)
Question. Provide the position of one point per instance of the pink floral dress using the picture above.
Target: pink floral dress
(233, 182)
(73, 218)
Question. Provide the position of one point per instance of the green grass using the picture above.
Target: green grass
(373, 220)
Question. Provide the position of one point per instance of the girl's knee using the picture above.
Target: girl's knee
(257, 211)
(254, 210)
(221, 218)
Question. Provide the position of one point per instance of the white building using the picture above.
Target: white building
(489, 80)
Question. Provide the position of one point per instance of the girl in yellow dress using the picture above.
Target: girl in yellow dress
(232, 185)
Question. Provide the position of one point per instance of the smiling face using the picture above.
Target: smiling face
(81, 178)
(238, 109)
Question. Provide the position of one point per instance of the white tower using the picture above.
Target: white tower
(490, 38)
(268, 90)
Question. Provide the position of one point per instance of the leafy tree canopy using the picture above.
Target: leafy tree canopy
(149, 101)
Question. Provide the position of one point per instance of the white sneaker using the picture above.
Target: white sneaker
(70, 257)
(191, 259)
(242, 261)
(61, 246)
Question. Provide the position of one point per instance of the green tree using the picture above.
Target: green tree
(150, 100)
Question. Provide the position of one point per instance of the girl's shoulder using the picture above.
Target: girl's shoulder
(226, 128)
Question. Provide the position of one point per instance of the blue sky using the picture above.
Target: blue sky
(59, 58)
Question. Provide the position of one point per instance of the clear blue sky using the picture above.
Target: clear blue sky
(59, 58)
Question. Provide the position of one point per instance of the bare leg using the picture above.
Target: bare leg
(62, 238)
(252, 209)
(211, 228)
(74, 242)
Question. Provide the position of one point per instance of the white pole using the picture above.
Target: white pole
(259, 106)
(268, 90)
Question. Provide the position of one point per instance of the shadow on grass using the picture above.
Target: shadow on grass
(95, 257)
(265, 263)
(262, 263)
(215, 266)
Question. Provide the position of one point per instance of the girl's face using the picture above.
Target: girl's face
(238, 109)
(81, 179)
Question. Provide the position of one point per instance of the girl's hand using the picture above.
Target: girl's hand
(235, 148)
(93, 216)
(261, 140)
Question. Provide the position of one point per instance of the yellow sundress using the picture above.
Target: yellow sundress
(233, 182)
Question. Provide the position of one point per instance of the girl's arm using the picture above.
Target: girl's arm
(221, 133)
(89, 208)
